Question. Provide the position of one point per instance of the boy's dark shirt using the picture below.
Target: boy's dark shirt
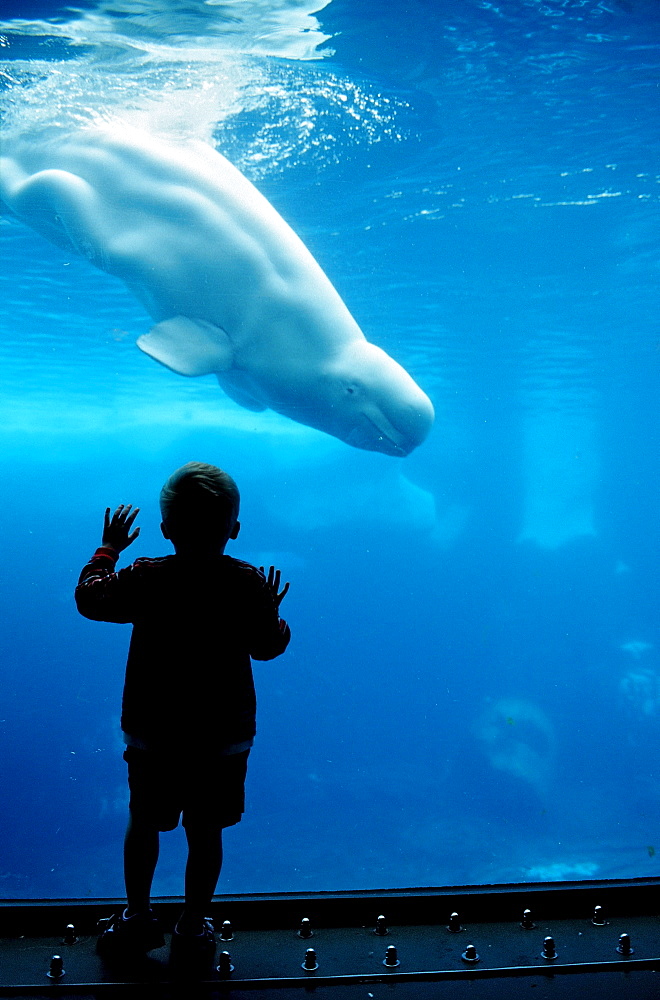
(196, 624)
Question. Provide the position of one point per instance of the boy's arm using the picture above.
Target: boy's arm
(102, 594)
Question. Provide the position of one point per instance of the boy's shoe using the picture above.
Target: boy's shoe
(194, 952)
(131, 936)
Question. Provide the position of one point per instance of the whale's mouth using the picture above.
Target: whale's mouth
(370, 437)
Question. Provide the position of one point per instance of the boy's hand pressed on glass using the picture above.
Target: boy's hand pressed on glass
(117, 529)
(273, 581)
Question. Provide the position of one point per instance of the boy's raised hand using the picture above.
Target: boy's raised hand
(117, 529)
(273, 582)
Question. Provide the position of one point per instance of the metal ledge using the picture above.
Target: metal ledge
(268, 952)
(640, 897)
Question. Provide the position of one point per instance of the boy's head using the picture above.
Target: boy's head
(199, 506)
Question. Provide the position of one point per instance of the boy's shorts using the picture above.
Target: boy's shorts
(209, 792)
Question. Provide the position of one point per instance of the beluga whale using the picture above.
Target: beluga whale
(231, 288)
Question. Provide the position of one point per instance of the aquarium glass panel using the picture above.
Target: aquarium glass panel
(393, 266)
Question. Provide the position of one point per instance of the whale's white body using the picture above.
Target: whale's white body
(230, 286)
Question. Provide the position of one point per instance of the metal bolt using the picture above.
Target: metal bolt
(527, 923)
(598, 919)
(56, 970)
(381, 928)
(224, 967)
(69, 935)
(227, 932)
(454, 924)
(310, 964)
(470, 954)
(305, 928)
(624, 946)
(391, 959)
(549, 950)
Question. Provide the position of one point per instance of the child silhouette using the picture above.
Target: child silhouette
(188, 707)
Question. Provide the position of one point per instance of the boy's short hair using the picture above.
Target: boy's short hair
(199, 499)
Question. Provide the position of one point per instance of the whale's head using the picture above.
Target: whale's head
(363, 397)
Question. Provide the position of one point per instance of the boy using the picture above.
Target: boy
(188, 707)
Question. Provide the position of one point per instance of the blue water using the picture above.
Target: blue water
(472, 693)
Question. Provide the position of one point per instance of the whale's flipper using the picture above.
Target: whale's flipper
(188, 346)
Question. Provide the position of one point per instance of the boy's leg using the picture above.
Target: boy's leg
(215, 800)
(141, 846)
(202, 873)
